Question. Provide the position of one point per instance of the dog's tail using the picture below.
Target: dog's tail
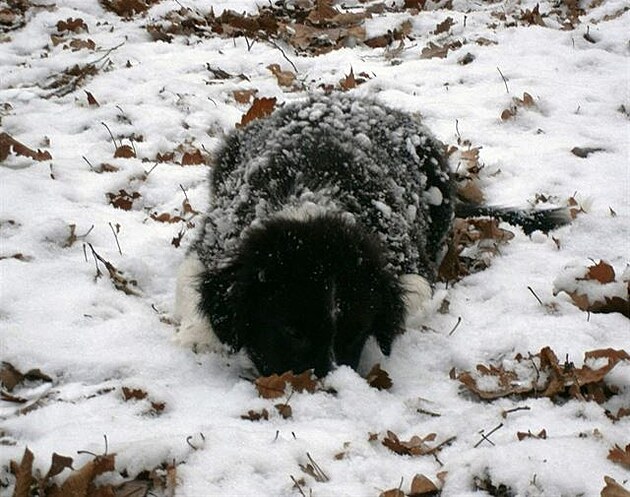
(529, 219)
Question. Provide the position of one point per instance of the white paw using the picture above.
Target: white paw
(418, 292)
(194, 329)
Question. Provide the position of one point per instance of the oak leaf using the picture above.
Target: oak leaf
(620, 456)
(379, 378)
(274, 386)
(261, 107)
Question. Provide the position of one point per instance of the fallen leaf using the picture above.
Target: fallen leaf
(57, 465)
(620, 456)
(244, 96)
(584, 152)
(378, 378)
(613, 489)
(261, 107)
(284, 410)
(70, 24)
(394, 492)
(9, 145)
(90, 98)
(125, 152)
(422, 486)
(193, 158)
(24, 475)
(274, 386)
(602, 272)
(123, 200)
(284, 78)
(522, 435)
(256, 415)
(444, 26)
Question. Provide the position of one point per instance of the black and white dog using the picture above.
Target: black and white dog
(326, 226)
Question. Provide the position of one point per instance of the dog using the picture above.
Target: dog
(327, 225)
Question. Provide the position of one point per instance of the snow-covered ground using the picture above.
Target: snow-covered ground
(93, 339)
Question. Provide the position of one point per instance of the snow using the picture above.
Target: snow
(93, 339)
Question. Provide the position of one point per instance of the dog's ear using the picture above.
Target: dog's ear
(217, 303)
(390, 318)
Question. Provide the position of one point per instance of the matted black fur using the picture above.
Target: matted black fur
(318, 215)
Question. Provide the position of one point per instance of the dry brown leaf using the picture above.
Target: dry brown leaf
(532, 17)
(90, 98)
(284, 410)
(349, 82)
(256, 415)
(133, 393)
(124, 152)
(57, 465)
(551, 378)
(261, 107)
(23, 475)
(415, 446)
(620, 456)
(70, 24)
(193, 158)
(274, 386)
(422, 486)
(244, 96)
(602, 272)
(379, 378)
(522, 435)
(127, 8)
(123, 200)
(284, 78)
(433, 50)
(9, 145)
(613, 489)
(444, 26)
(394, 492)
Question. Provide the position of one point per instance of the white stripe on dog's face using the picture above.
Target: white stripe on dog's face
(417, 292)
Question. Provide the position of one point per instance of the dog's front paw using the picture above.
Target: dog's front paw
(418, 292)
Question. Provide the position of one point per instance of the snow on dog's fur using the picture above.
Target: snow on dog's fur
(326, 226)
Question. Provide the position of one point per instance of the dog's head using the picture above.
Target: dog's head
(304, 294)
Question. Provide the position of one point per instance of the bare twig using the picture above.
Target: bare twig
(504, 80)
(459, 320)
(486, 437)
(274, 44)
(536, 296)
(110, 134)
(320, 471)
(515, 409)
(298, 486)
(88, 163)
(116, 236)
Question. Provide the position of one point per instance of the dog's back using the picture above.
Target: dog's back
(342, 155)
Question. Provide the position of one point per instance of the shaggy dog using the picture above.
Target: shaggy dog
(326, 226)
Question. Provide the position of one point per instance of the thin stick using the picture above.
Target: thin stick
(116, 237)
(88, 163)
(299, 487)
(504, 80)
(536, 296)
(274, 44)
(459, 320)
(515, 409)
(323, 475)
(185, 195)
(110, 134)
(485, 437)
